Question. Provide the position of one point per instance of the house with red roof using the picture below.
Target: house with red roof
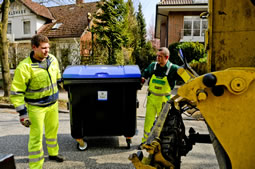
(179, 21)
(66, 26)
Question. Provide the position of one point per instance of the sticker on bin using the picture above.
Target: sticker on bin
(102, 95)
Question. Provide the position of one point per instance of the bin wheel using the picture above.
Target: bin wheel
(82, 146)
(129, 141)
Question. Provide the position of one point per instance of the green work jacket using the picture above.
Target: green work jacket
(35, 83)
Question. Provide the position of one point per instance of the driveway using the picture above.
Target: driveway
(102, 153)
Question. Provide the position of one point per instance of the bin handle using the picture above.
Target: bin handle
(102, 74)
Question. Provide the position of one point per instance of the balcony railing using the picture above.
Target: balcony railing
(194, 35)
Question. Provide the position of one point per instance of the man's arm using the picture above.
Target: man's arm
(147, 72)
(59, 77)
(18, 88)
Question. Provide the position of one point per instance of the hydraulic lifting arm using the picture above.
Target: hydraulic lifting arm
(226, 100)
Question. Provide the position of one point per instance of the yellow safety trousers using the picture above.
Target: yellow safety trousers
(154, 104)
(42, 117)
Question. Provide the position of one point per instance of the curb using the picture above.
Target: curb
(8, 106)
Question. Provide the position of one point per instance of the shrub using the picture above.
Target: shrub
(174, 58)
(144, 56)
(191, 50)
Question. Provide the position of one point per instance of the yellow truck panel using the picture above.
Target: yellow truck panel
(230, 114)
(231, 34)
(225, 97)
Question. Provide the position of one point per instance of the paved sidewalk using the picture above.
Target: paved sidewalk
(103, 152)
(141, 96)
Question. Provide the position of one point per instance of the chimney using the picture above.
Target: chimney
(79, 2)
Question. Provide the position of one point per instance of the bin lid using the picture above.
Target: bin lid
(101, 71)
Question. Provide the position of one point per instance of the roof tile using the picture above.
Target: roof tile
(176, 2)
(38, 9)
(73, 18)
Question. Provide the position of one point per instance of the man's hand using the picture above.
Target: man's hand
(24, 120)
(142, 80)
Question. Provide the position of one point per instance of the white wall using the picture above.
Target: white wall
(39, 22)
(19, 13)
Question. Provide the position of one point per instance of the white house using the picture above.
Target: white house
(25, 19)
(179, 21)
(66, 26)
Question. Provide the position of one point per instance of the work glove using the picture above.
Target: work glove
(24, 120)
(142, 80)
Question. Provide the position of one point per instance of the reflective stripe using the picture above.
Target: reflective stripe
(157, 94)
(168, 69)
(51, 145)
(158, 81)
(35, 152)
(51, 139)
(42, 104)
(17, 93)
(146, 134)
(32, 160)
(155, 66)
(45, 101)
(50, 58)
(42, 89)
(20, 107)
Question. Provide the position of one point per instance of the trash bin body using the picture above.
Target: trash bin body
(102, 99)
(7, 161)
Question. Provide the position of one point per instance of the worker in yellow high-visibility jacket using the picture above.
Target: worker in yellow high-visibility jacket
(34, 93)
(163, 76)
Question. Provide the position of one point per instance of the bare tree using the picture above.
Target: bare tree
(5, 4)
(56, 2)
(151, 34)
(4, 48)
(151, 30)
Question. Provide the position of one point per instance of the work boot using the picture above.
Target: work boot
(58, 158)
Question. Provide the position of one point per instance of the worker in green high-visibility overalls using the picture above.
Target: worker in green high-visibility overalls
(34, 93)
(162, 77)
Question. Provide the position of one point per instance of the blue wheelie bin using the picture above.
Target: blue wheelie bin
(102, 100)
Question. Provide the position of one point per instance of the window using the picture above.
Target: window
(26, 27)
(194, 26)
(56, 26)
(187, 28)
(9, 28)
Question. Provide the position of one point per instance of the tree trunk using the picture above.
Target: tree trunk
(4, 48)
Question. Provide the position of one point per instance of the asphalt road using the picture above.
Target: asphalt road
(102, 153)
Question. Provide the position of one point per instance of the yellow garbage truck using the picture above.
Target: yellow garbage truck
(225, 96)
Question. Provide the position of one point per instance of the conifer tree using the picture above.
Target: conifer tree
(109, 26)
(141, 26)
(132, 27)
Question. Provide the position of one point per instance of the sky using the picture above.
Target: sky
(149, 10)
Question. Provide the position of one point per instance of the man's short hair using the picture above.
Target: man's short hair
(37, 39)
(164, 50)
